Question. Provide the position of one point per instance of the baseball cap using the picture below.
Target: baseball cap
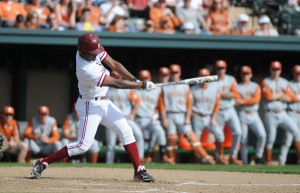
(264, 19)
(175, 68)
(164, 71)
(243, 18)
(9, 110)
(203, 72)
(144, 74)
(275, 65)
(246, 69)
(220, 64)
(43, 110)
(297, 68)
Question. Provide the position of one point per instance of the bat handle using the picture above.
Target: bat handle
(159, 84)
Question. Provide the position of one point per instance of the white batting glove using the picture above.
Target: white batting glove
(148, 85)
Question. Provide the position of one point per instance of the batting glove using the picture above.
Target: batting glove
(148, 85)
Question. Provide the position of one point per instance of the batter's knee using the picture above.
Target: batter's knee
(172, 139)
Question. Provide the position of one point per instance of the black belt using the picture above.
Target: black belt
(96, 98)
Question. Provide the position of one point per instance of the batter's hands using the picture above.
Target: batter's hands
(148, 85)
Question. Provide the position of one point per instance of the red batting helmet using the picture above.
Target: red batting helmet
(89, 43)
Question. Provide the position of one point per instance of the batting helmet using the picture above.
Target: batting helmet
(89, 44)
(115, 75)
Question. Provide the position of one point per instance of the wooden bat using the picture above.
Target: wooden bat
(197, 80)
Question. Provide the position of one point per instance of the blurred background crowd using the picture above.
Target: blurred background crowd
(238, 17)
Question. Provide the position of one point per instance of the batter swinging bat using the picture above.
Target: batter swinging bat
(197, 80)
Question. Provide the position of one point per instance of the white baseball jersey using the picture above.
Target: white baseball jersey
(91, 76)
(204, 100)
(250, 94)
(149, 102)
(228, 84)
(295, 87)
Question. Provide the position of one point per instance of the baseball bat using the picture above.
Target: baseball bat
(197, 80)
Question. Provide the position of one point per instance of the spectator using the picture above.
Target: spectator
(54, 23)
(41, 134)
(117, 24)
(9, 127)
(242, 27)
(139, 8)
(218, 18)
(85, 24)
(195, 4)
(70, 134)
(95, 12)
(161, 12)
(149, 26)
(265, 27)
(9, 11)
(191, 15)
(32, 21)
(112, 8)
(294, 4)
(19, 22)
(65, 12)
(189, 28)
(42, 11)
(165, 26)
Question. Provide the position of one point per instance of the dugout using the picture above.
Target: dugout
(37, 67)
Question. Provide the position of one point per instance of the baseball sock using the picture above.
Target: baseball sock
(133, 154)
(62, 153)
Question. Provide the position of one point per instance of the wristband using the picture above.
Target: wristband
(144, 84)
(134, 79)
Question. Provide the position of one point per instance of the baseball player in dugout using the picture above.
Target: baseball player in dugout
(93, 108)
(147, 119)
(9, 127)
(247, 106)
(128, 102)
(293, 111)
(176, 110)
(205, 106)
(227, 114)
(277, 93)
(41, 134)
(70, 132)
(164, 74)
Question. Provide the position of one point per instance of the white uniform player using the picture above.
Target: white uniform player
(227, 114)
(205, 106)
(293, 111)
(128, 102)
(248, 105)
(276, 92)
(93, 108)
(176, 109)
(147, 119)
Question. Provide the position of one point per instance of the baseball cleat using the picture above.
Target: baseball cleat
(259, 161)
(143, 176)
(38, 168)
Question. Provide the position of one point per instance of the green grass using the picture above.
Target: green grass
(289, 169)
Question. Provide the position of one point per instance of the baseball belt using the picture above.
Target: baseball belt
(96, 98)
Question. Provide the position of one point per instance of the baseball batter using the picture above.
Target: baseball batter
(70, 131)
(176, 110)
(293, 112)
(128, 102)
(206, 99)
(248, 105)
(227, 114)
(93, 108)
(147, 119)
(276, 93)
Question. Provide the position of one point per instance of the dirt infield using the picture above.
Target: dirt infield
(71, 179)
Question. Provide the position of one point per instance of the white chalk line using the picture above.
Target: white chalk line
(249, 185)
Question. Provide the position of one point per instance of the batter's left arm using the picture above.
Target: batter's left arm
(118, 67)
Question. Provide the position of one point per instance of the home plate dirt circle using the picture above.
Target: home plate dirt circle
(89, 179)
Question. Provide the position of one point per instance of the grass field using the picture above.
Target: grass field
(289, 169)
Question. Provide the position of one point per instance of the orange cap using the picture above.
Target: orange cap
(115, 75)
(9, 110)
(246, 69)
(43, 110)
(220, 64)
(144, 74)
(164, 71)
(275, 65)
(297, 68)
(203, 72)
(175, 68)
